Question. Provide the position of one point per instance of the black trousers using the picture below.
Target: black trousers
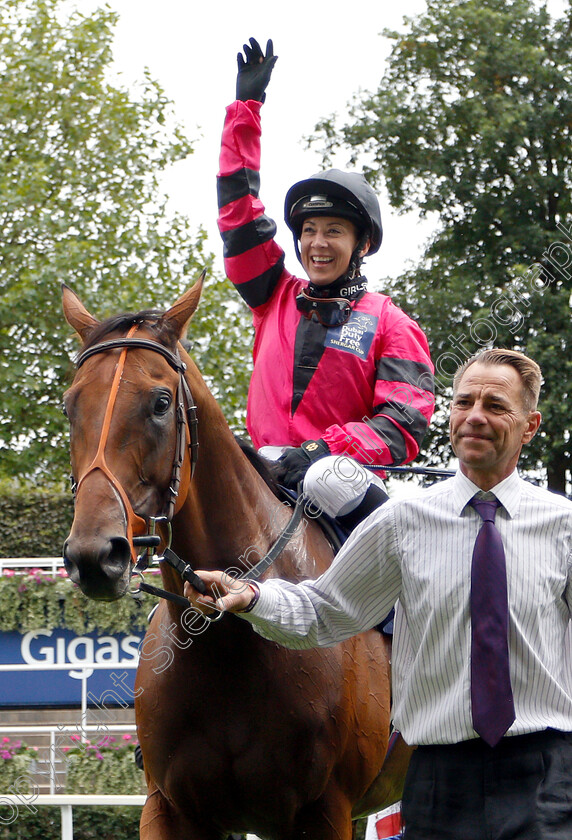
(519, 790)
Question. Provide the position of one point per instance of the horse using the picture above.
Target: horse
(238, 734)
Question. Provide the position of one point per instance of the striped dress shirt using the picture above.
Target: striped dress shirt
(419, 550)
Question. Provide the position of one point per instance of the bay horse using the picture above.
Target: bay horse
(237, 733)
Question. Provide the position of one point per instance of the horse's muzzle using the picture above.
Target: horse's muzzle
(101, 569)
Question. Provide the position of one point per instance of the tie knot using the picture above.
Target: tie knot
(485, 509)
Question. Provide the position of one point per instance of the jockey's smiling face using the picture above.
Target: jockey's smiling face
(326, 246)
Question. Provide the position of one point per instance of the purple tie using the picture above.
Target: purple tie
(491, 692)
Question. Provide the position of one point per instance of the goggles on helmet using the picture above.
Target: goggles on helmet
(326, 205)
(330, 312)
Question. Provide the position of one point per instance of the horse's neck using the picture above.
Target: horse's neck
(229, 510)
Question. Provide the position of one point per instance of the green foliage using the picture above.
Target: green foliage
(31, 599)
(472, 121)
(89, 823)
(35, 522)
(15, 764)
(221, 344)
(80, 162)
(103, 768)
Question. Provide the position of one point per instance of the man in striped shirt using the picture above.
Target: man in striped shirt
(419, 550)
(338, 370)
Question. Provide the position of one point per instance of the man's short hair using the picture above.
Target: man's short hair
(529, 372)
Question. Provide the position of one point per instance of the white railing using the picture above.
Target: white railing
(66, 803)
(55, 731)
(53, 563)
(81, 671)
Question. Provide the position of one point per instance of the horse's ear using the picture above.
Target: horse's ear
(76, 314)
(183, 309)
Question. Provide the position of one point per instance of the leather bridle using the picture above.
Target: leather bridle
(187, 428)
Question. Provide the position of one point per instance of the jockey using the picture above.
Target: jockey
(342, 377)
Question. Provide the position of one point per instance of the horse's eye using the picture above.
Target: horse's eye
(161, 404)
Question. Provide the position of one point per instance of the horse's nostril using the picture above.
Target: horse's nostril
(117, 559)
(101, 570)
(69, 564)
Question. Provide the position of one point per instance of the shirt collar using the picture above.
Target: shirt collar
(508, 492)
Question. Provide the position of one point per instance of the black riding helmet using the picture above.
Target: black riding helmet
(335, 193)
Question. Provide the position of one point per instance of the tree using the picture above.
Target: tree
(80, 161)
(472, 121)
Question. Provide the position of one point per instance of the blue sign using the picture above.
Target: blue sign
(111, 687)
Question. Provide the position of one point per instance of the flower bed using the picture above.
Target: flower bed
(16, 762)
(107, 766)
(31, 599)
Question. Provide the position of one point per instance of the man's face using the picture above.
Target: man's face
(489, 424)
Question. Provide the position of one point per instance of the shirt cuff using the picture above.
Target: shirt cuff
(265, 607)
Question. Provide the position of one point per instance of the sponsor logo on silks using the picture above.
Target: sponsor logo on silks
(355, 336)
(385, 825)
(350, 291)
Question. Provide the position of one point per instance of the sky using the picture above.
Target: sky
(327, 53)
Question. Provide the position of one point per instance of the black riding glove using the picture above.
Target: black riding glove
(254, 73)
(293, 465)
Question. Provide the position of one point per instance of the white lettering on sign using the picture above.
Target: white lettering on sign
(77, 650)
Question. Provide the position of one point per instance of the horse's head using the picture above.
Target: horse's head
(127, 414)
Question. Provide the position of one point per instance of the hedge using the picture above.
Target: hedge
(105, 767)
(31, 599)
(89, 823)
(35, 521)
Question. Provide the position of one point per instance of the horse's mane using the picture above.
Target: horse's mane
(261, 465)
(150, 317)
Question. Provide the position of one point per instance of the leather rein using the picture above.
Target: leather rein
(187, 437)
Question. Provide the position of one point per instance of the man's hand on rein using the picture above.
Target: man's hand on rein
(225, 593)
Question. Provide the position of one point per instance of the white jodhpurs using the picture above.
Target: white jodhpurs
(337, 484)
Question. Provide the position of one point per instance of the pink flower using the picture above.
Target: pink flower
(126, 737)
(9, 572)
(5, 740)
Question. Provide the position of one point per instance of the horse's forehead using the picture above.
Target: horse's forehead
(142, 368)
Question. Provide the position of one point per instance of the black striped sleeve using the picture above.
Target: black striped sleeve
(232, 187)
(259, 290)
(418, 374)
(248, 236)
(406, 417)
